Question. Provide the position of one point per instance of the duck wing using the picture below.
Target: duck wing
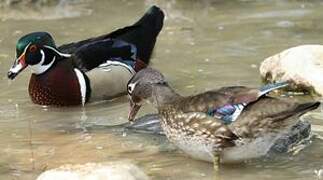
(92, 55)
(228, 102)
(127, 44)
(269, 115)
(198, 124)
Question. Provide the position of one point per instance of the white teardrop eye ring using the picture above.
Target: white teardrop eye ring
(131, 87)
(33, 48)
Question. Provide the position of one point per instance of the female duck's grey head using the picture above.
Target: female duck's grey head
(140, 87)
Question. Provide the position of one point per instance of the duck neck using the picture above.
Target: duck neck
(49, 55)
(163, 94)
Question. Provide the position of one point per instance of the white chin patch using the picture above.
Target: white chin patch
(40, 68)
(131, 87)
(16, 68)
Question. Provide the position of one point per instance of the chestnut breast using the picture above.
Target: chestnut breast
(58, 86)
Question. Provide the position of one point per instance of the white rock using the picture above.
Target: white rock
(319, 173)
(302, 65)
(95, 171)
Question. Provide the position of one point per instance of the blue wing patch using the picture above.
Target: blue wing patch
(133, 49)
(230, 112)
(227, 113)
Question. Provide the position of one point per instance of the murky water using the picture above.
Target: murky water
(203, 45)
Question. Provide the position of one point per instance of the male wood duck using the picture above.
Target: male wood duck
(93, 69)
(230, 124)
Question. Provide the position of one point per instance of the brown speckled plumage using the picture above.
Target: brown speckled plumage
(59, 86)
(187, 124)
(190, 124)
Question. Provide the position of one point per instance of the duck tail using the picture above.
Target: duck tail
(276, 115)
(153, 20)
(297, 111)
(271, 87)
(143, 33)
(305, 107)
(144, 37)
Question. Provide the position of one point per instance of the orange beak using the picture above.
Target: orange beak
(17, 67)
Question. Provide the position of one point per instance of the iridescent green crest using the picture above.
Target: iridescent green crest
(38, 38)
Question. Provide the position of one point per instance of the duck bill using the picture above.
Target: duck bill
(134, 108)
(17, 67)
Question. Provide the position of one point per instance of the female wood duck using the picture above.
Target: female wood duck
(230, 124)
(93, 69)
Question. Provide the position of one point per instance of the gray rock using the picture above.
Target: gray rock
(146, 124)
(95, 171)
(295, 135)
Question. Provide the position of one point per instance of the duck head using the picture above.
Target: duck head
(148, 85)
(37, 50)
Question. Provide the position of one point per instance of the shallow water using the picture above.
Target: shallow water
(203, 45)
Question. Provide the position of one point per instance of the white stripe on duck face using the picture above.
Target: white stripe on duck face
(40, 68)
(131, 87)
(59, 53)
(82, 83)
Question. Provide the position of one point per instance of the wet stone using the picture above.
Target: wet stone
(302, 66)
(297, 134)
(97, 171)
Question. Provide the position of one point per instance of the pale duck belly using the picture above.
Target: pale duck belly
(249, 149)
(199, 148)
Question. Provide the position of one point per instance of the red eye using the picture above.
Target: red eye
(33, 48)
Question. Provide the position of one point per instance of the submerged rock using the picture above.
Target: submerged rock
(95, 171)
(301, 65)
(296, 134)
(147, 124)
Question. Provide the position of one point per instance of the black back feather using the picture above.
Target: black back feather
(141, 34)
